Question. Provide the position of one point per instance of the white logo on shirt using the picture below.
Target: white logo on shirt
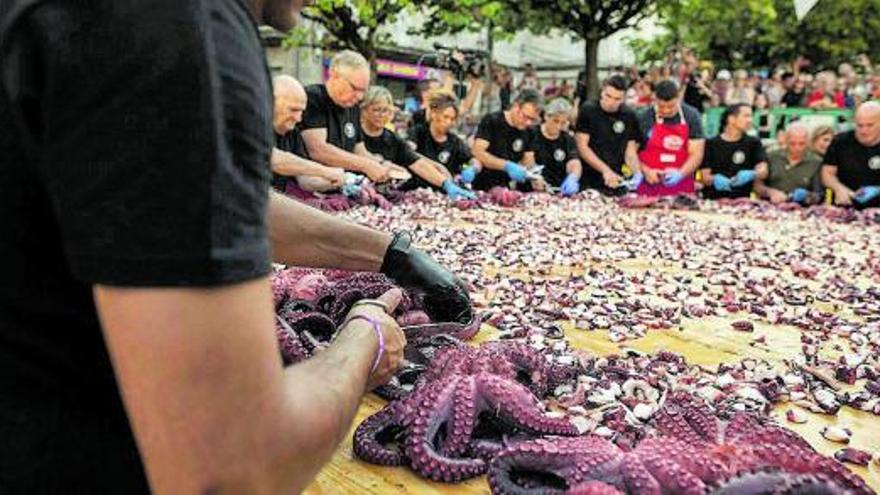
(874, 163)
(518, 145)
(349, 130)
(443, 156)
(619, 127)
(559, 155)
(739, 157)
(673, 142)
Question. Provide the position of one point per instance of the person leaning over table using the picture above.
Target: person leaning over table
(377, 110)
(288, 165)
(851, 167)
(436, 141)
(137, 343)
(792, 173)
(503, 144)
(672, 143)
(331, 125)
(556, 149)
(733, 159)
(821, 139)
(607, 136)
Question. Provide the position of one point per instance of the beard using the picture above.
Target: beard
(282, 15)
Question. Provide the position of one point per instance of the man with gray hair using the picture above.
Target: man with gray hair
(792, 174)
(331, 123)
(556, 149)
(503, 143)
(289, 168)
(851, 168)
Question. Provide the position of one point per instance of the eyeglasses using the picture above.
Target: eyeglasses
(380, 110)
(354, 88)
(532, 119)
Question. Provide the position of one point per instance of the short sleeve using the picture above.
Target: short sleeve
(462, 151)
(632, 124)
(485, 128)
(315, 114)
(571, 151)
(583, 120)
(832, 155)
(707, 156)
(695, 123)
(405, 155)
(760, 154)
(149, 185)
(530, 138)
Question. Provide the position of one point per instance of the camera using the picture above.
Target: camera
(461, 62)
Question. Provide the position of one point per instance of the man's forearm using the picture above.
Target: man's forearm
(291, 165)
(427, 171)
(694, 160)
(304, 236)
(333, 156)
(489, 161)
(574, 167)
(631, 156)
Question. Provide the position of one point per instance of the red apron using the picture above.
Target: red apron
(667, 148)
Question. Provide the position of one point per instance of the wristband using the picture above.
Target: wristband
(378, 330)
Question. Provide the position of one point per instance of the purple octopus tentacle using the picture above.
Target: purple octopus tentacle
(463, 419)
(370, 438)
(292, 349)
(520, 407)
(671, 476)
(461, 331)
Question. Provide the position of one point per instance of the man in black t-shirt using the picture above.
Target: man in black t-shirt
(503, 144)
(733, 158)
(607, 136)
(851, 168)
(135, 260)
(288, 164)
(331, 123)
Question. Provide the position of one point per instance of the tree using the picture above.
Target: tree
(354, 24)
(764, 33)
(588, 20)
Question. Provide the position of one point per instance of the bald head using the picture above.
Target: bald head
(868, 123)
(290, 103)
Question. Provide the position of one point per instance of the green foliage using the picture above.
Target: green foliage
(764, 33)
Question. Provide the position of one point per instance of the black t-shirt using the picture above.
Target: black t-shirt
(453, 153)
(505, 142)
(727, 158)
(857, 165)
(419, 118)
(609, 135)
(292, 142)
(793, 99)
(554, 155)
(135, 152)
(391, 147)
(343, 124)
(692, 94)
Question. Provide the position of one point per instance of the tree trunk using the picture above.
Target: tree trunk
(591, 52)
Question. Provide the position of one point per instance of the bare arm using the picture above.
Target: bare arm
(574, 167)
(696, 148)
(291, 165)
(323, 152)
(433, 173)
(842, 195)
(588, 155)
(632, 156)
(304, 236)
(487, 160)
(210, 405)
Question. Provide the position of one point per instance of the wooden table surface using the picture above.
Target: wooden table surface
(703, 342)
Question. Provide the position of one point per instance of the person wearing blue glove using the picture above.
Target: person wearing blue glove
(454, 192)
(504, 143)
(799, 195)
(468, 174)
(866, 194)
(672, 178)
(556, 150)
(635, 181)
(852, 162)
(721, 183)
(733, 155)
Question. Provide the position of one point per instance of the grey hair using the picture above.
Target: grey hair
(557, 106)
(798, 127)
(377, 94)
(347, 61)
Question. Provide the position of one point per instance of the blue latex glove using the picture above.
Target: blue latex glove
(469, 174)
(570, 186)
(515, 171)
(866, 194)
(635, 181)
(721, 182)
(672, 178)
(743, 177)
(454, 192)
(799, 195)
(351, 190)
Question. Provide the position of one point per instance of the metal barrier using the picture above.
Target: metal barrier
(840, 119)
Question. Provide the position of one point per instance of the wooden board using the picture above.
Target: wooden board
(707, 343)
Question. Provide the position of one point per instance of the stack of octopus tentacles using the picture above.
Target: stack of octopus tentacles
(478, 410)
(311, 304)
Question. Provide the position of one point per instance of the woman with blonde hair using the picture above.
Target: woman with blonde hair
(821, 139)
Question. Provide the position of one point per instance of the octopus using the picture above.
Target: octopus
(691, 452)
(467, 406)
